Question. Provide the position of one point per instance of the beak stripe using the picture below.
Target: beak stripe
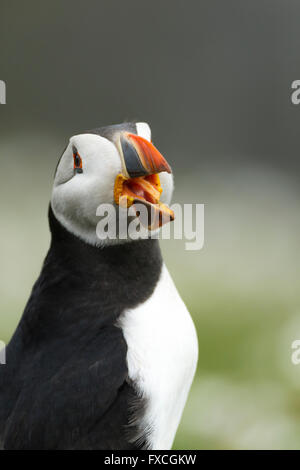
(132, 162)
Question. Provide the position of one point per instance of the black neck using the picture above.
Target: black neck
(81, 283)
(133, 260)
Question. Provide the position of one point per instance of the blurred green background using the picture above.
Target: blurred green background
(213, 80)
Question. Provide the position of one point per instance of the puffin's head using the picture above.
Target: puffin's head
(115, 165)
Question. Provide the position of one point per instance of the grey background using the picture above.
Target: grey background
(214, 74)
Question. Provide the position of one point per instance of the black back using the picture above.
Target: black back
(65, 384)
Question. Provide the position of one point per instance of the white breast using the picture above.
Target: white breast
(162, 358)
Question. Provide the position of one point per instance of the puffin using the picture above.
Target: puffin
(105, 352)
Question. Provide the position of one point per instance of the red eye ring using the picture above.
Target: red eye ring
(77, 162)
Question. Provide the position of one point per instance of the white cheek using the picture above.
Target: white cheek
(82, 194)
(75, 202)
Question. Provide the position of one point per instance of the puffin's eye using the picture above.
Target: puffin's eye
(77, 162)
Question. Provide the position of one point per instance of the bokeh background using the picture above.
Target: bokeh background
(213, 79)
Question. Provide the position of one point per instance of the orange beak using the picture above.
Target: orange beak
(140, 157)
(140, 182)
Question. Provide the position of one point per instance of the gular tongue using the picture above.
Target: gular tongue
(156, 214)
(143, 188)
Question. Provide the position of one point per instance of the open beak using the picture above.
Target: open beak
(139, 183)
